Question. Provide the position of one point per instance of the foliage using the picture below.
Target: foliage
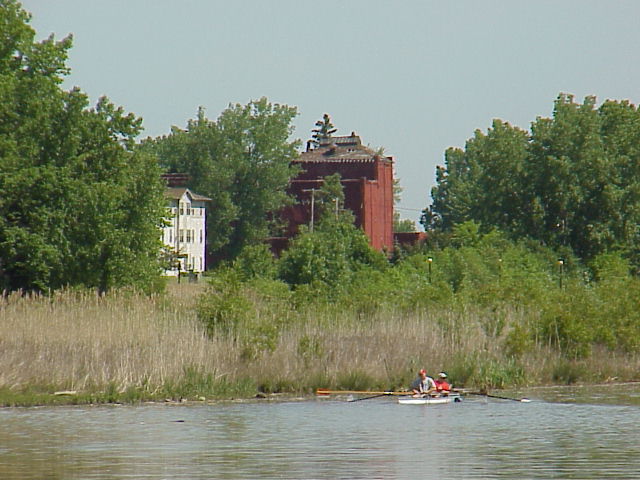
(310, 349)
(329, 198)
(78, 205)
(403, 225)
(224, 308)
(356, 380)
(610, 267)
(328, 255)
(244, 309)
(323, 131)
(485, 371)
(497, 302)
(242, 161)
(255, 261)
(572, 181)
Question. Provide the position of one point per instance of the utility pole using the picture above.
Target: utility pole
(313, 202)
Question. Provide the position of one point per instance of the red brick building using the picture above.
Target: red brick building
(367, 180)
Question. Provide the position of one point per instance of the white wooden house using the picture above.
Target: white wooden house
(185, 235)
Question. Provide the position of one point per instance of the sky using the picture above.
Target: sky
(414, 76)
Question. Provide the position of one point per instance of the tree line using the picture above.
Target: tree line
(242, 161)
(572, 182)
(82, 198)
(80, 204)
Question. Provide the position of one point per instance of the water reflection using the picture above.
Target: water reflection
(325, 439)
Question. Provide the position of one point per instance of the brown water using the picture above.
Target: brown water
(563, 433)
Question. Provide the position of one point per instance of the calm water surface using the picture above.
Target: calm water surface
(564, 433)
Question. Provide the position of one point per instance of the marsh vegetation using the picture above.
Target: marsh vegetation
(492, 314)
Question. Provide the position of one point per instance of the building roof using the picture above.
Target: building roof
(176, 179)
(176, 193)
(341, 149)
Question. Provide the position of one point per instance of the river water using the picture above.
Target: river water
(562, 433)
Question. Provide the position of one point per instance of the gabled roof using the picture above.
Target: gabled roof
(176, 193)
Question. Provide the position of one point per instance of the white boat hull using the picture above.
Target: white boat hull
(429, 400)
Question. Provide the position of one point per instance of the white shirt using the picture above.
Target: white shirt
(423, 385)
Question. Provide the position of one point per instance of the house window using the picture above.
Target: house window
(200, 235)
(170, 236)
(181, 209)
(181, 236)
(188, 209)
(188, 236)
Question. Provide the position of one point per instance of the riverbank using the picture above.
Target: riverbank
(128, 348)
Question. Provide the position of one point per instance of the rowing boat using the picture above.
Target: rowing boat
(454, 397)
(404, 398)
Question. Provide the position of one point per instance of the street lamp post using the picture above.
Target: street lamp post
(429, 262)
(180, 256)
(560, 271)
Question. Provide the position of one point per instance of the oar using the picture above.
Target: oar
(523, 400)
(324, 391)
(373, 396)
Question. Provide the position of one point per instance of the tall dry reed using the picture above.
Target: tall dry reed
(78, 340)
(85, 342)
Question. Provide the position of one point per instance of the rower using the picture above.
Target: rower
(422, 385)
(442, 386)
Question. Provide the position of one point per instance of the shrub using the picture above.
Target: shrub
(223, 307)
(255, 261)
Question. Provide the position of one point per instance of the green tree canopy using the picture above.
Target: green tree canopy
(572, 181)
(242, 161)
(334, 250)
(403, 225)
(78, 205)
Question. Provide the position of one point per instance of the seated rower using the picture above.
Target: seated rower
(442, 386)
(423, 385)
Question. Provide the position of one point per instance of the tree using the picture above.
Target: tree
(329, 198)
(403, 225)
(334, 250)
(242, 161)
(572, 182)
(323, 131)
(78, 206)
(483, 181)
(577, 176)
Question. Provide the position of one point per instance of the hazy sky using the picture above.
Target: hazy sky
(412, 76)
